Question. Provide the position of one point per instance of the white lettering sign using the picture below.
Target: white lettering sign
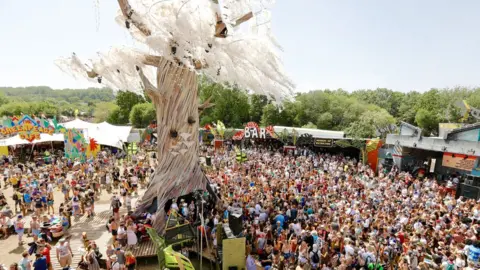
(252, 133)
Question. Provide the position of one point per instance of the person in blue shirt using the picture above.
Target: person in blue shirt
(40, 262)
(280, 218)
(27, 199)
(474, 252)
(226, 213)
(279, 229)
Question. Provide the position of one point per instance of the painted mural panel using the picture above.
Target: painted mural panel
(458, 161)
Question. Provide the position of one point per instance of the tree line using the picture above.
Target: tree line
(361, 113)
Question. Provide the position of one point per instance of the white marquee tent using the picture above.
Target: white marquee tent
(15, 140)
(104, 133)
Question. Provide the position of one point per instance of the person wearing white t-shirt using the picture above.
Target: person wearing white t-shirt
(115, 265)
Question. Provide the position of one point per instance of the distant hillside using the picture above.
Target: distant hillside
(45, 93)
(89, 103)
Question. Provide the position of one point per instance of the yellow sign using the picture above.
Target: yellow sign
(4, 150)
(27, 131)
(26, 127)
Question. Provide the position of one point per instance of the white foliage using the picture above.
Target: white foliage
(247, 57)
(116, 69)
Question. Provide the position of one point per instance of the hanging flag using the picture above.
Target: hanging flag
(220, 128)
(294, 135)
(372, 145)
(213, 131)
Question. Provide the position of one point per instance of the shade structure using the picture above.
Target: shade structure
(316, 133)
(104, 133)
(16, 140)
(78, 124)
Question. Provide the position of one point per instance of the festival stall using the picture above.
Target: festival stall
(80, 139)
(104, 133)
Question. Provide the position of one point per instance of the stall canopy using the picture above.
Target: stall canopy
(104, 133)
(316, 133)
(15, 140)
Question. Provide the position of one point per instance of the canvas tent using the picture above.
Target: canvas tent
(15, 140)
(104, 133)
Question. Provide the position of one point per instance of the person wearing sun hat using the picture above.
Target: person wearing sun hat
(64, 253)
(115, 265)
(19, 228)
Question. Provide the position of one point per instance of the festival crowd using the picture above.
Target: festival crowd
(34, 184)
(301, 210)
(322, 211)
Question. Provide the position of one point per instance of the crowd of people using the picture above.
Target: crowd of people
(322, 211)
(33, 187)
(300, 211)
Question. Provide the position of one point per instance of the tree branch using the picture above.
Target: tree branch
(92, 74)
(205, 105)
(243, 19)
(221, 28)
(151, 90)
(152, 60)
(129, 14)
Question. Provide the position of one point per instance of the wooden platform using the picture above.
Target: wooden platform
(145, 249)
(208, 253)
(93, 226)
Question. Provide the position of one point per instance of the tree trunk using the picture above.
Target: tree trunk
(178, 171)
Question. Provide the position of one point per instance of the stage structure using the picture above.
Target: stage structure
(32, 128)
(228, 41)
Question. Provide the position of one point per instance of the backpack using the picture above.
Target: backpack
(368, 260)
(15, 196)
(315, 258)
(117, 204)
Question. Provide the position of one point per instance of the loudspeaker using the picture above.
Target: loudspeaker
(235, 220)
(470, 192)
(208, 161)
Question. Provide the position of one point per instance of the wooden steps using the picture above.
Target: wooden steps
(95, 229)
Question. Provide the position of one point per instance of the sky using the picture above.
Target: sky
(350, 44)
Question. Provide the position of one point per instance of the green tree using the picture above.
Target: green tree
(408, 108)
(232, 105)
(324, 121)
(142, 115)
(125, 101)
(257, 103)
(115, 117)
(372, 123)
(310, 125)
(428, 121)
(271, 115)
(102, 110)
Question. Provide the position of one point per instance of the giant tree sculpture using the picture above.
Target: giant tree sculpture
(184, 38)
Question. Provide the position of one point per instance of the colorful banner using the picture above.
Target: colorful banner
(93, 148)
(220, 128)
(372, 145)
(459, 161)
(75, 144)
(238, 136)
(28, 128)
(372, 148)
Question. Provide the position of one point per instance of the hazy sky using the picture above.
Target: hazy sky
(350, 44)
